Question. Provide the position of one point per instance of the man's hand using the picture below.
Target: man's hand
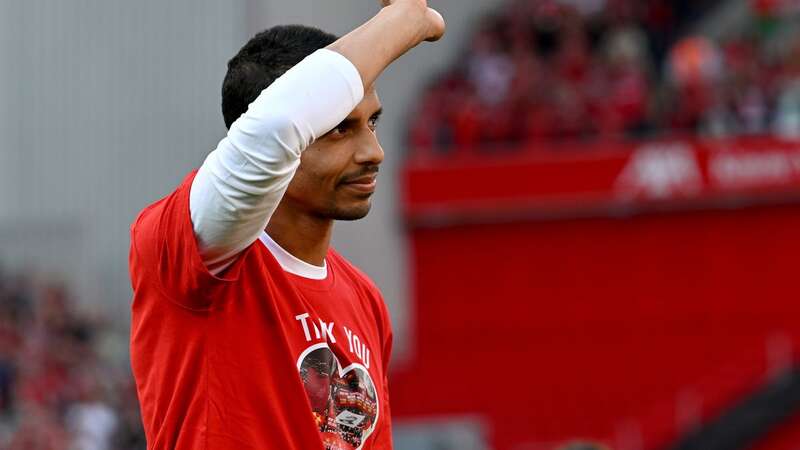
(435, 21)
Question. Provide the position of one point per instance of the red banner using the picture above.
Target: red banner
(603, 176)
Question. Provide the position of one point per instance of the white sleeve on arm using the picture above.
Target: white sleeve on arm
(241, 183)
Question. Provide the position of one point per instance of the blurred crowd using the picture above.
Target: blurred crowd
(58, 390)
(550, 70)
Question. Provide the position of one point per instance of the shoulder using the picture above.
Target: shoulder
(158, 227)
(164, 253)
(175, 199)
(354, 273)
(373, 299)
(371, 295)
(161, 219)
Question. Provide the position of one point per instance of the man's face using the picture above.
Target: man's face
(338, 172)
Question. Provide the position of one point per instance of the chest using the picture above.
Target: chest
(302, 319)
(324, 341)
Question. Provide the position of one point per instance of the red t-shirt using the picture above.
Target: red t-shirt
(258, 358)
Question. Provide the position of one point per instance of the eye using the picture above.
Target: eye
(373, 123)
(339, 131)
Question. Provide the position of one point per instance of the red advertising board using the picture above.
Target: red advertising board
(598, 176)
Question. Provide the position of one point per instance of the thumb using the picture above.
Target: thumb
(436, 24)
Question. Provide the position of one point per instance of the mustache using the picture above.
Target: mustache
(363, 172)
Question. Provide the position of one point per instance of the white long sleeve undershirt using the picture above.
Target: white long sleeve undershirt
(241, 182)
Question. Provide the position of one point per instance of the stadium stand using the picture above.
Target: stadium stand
(58, 390)
(535, 72)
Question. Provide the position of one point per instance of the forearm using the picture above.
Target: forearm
(395, 30)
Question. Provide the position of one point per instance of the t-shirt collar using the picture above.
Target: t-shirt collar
(291, 263)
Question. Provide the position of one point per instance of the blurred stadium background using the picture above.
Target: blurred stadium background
(588, 224)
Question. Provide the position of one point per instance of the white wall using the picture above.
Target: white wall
(105, 105)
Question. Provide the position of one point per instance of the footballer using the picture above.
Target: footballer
(248, 330)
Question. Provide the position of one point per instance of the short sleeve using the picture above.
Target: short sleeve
(165, 256)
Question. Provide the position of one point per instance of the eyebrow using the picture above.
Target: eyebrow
(352, 120)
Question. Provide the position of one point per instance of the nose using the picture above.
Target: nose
(369, 150)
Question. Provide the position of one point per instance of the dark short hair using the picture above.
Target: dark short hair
(261, 61)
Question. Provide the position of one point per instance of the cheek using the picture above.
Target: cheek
(305, 187)
(323, 166)
(317, 174)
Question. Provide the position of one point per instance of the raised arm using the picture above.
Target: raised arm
(241, 182)
(400, 26)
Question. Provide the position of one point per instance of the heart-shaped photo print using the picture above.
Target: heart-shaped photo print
(343, 400)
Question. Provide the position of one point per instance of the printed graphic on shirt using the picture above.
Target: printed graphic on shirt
(343, 400)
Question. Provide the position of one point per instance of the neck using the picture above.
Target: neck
(304, 236)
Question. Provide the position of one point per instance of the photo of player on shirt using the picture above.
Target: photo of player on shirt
(344, 406)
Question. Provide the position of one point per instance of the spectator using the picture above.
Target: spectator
(563, 69)
(56, 392)
(787, 115)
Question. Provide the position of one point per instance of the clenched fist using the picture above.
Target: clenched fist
(434, 20)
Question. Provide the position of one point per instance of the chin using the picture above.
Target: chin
(354, 212)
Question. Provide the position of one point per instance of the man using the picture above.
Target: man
(248, 331)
